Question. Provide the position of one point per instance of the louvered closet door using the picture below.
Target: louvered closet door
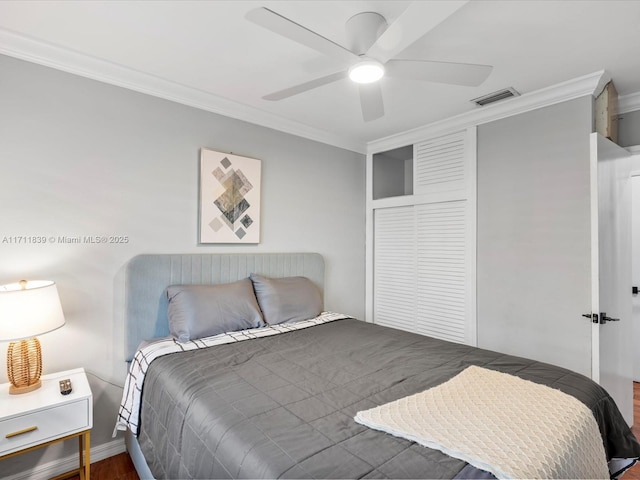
(440, 164)
(424, 251)
(441, 271)
(395, 267)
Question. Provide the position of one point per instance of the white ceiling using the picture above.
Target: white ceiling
(205, 53)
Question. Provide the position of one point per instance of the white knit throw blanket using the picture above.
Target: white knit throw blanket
(503, 424)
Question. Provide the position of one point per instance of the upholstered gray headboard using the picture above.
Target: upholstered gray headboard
(147, 276)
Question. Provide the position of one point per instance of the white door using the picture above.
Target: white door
(635, 266)
(611, 271)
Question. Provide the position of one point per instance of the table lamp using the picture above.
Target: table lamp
(27, 309)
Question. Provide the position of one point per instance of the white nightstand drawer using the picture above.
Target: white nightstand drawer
(49, 424)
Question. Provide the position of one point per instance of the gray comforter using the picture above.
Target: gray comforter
(283, 406)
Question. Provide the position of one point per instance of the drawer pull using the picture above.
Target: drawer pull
(20, 432)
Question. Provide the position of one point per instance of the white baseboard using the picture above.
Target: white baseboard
(62, 465)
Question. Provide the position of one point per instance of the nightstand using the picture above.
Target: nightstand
(45, 416)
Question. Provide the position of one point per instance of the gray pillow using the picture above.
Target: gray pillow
(288, 299)
(197, 311)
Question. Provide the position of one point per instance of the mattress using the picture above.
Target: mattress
(283, 406)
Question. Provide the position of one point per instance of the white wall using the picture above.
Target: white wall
(629, 129)
(78, 157)
(534, 247)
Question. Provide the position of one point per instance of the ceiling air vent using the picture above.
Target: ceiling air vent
(496, 96)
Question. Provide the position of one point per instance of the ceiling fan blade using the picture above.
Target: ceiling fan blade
(467, 74)
(304, 87)
(412, 24)
(371, 101)
(283, 26)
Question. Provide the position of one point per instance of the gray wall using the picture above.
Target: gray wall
(629, 129)
(533, 257)
(79, 157)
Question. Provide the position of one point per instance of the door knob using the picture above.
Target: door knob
(605, 319)
(591, 316)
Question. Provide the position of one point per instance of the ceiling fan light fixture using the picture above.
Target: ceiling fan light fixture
(366, 71)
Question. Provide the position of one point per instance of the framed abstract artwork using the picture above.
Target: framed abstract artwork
(229, 198)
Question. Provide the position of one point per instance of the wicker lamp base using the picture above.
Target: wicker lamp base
(24, 366)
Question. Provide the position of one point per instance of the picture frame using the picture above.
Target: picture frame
(229, 198)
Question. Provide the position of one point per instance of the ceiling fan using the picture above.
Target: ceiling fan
(373, 46)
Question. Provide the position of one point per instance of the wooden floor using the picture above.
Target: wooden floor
(120, 467)
(634, 472)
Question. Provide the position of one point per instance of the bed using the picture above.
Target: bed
(280, 401)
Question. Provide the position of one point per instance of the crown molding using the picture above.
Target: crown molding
(629, 103)
(70, 61)
(634, 149)
(578, 87)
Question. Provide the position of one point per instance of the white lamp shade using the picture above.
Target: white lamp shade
(29, 311)
(366, 71)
